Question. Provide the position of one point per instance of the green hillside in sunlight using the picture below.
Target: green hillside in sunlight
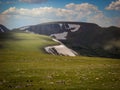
(24, 42)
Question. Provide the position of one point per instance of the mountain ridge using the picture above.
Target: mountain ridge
(86, 38)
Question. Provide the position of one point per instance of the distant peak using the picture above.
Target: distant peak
(3, 28)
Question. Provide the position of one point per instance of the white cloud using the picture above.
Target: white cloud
(71, 12)
(83, 6)
(42, 12)
(100, 19)
(83, 10)
(114, 6)
(33, 1)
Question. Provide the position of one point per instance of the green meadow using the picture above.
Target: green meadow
(24, 65)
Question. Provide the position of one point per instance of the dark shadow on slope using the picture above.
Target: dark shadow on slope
(5, 37)
(95, 41)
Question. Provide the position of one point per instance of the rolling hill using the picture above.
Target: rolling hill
(24, 42)
(25, 66)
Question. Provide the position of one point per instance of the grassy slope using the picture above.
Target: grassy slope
(24, 42)
(23, 66)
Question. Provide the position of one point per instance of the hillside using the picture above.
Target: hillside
(3, 29)
(87, 39)
(95, 41)
(25, 66)
(24, 42)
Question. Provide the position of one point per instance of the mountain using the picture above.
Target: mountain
(85, 38)
(3, 29)
(95, 41)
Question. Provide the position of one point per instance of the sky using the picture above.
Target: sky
(18, 13)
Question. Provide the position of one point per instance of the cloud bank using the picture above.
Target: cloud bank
(114, 6)
(71, 12)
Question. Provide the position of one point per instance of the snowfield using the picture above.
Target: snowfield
(60, 50)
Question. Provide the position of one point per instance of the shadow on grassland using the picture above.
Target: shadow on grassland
(6, 36)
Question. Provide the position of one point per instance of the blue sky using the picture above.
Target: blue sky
(17, 13)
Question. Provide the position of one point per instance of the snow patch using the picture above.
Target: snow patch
(74, 27)
(60, 36)
(24, 28)
(60, 50)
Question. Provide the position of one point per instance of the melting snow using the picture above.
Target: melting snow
(60, 50)
(74, 26)
(24, 28)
